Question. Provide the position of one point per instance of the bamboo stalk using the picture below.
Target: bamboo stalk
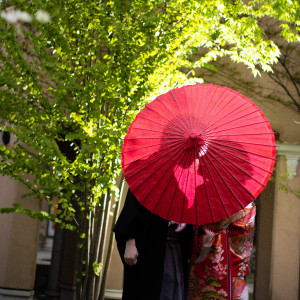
(110, 244)
(93, 254)
(81, 256)
(90, 273)
(103, 242)
(100, 230)
(88, 232)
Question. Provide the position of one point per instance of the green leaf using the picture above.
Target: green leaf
(97, 267)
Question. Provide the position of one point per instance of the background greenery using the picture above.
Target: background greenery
(75, 73)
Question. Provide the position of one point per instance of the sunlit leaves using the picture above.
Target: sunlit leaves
(70, 88)
(97, 268)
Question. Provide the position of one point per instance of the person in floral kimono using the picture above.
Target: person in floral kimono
(221, 256)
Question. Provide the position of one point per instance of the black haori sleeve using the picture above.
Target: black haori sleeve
(130, 219)
(134, 222)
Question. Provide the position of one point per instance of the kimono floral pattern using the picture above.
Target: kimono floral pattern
(220, 259)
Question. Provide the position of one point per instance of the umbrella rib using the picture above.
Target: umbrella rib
(210, 128)
(212, 179)
(204, 104)
(161, 155)
(188, 107)
(255, 165)
(228, 108)
(154, 130)
(219, 111)
(247, 125)
(166, 184)
(212, 108)
(226, 182)
(211, 213)
(176, 101)
(248, 143)
(162, 124)
(195, 183)
(174, 146)
(213, 142)
(150, 108)
(242, 134)
(183, 127)
(154, 138)
(212, 216)
(159, 181)
(147, 178)
(153, 145)
(156, 159)
(195, 110)
(237, 166)
(176, 187)
(186, 183)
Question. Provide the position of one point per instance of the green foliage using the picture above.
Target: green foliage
(284, 184)
(71, 85)
(97, 268)
(283, 181)
(74, 84)
(40, 215)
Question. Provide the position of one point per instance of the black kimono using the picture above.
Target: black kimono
(144, 280)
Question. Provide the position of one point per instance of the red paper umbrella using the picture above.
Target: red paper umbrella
(198, 154)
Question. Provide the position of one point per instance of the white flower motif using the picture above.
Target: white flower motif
(15, 16)
(42, 16)
(24, 17)
(244, 295)
(9, 17)
(218, 257)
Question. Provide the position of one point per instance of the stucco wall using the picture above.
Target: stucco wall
(115, 275)
(19, 239)
(7, 195)
(286, 240)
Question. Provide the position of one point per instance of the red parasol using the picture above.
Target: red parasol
(198, 154)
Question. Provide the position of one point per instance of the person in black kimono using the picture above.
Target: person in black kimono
(142, 238)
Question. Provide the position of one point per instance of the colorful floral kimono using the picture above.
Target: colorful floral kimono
(221, 255)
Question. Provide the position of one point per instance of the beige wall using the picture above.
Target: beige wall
(19, 239)
(263, 236)
(286, 240)
(7, 194)
(115, 275)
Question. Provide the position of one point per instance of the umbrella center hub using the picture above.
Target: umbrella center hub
(194, 140)
(193, 135)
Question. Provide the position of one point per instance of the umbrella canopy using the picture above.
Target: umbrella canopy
(198, 154)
